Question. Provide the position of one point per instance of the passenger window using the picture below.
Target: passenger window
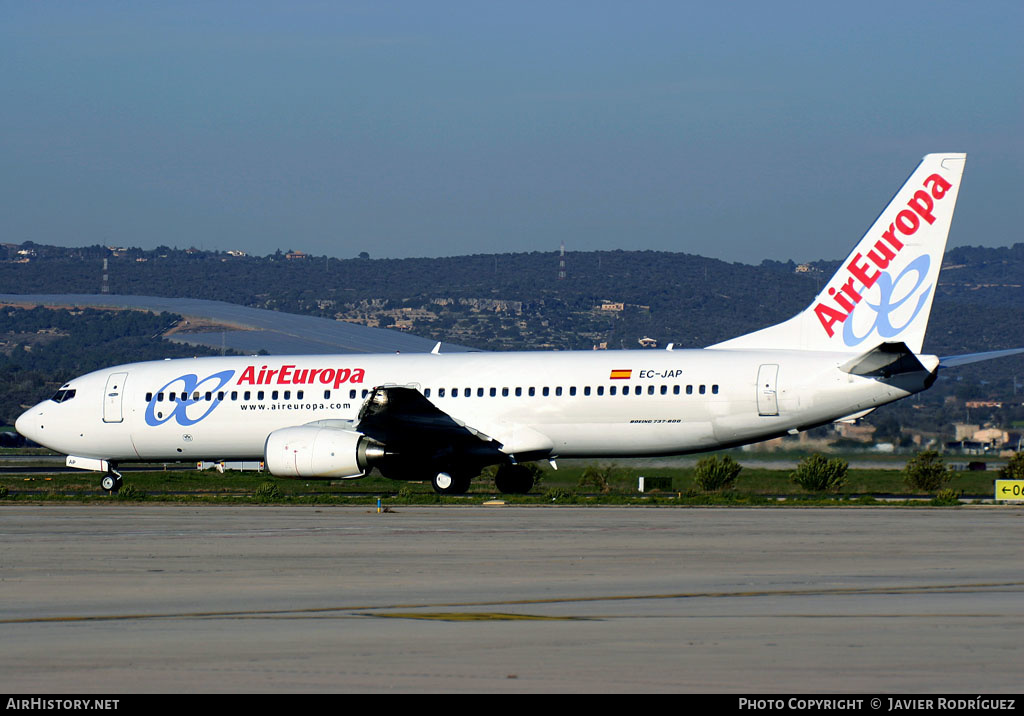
(494, 392)
(600, 390)
(149, 397)
(558, 390)
(572, 390)
(208, 396)
(479, 392)
(365, 392)
(287, 395)
(234, 395)
(714, 389)
(273, 395)
(675, 390)
(220, 395)
(650, 390)
(532, 391)
(689, 390)
(299, 394)
(519, 392)
(248, 395)
(504, 392)
(702, 389)
(664, 390)
(352, 395)
(160, 397)
(638, 390)
(426, 393)
(546, 391)
(259, 395)
(195, 395)
(440, 392)
(586, 390)
(611, 390)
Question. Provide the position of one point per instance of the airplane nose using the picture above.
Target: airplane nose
(28, 424)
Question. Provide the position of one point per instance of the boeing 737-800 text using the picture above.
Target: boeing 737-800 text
(444, 417)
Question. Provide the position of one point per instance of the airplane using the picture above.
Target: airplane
(445, 417)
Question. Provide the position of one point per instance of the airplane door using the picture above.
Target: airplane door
(767, 398)
(112, 396)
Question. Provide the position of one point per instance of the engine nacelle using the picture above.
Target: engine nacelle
(319, 452)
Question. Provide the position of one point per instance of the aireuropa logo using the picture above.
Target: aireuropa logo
(189, 405)
(895, 297)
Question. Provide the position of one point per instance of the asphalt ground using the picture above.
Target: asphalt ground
(172, 598)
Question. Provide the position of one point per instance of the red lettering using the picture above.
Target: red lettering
(301, 375)
(841, 299)
(312, 375)
(861, 272)
(828, 317)
(327, 376)
(881, 255)
(939, 185)
(248, 375)
(357, 375)
(907, 222)
(270, 374)
(922, 204)
(283, 377)
(341, 377)
(890, 236)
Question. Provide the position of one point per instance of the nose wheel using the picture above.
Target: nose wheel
(112, 482)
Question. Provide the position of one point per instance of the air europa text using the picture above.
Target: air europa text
(290, 375)
(862, 273)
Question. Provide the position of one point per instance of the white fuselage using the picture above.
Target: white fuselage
(573, 404)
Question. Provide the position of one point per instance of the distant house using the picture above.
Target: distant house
(646, 342)
(296, 255)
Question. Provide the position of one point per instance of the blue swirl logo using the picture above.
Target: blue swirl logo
(189, 393)
(886, 305)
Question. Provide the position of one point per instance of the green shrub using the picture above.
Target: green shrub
(925, 472)
(717, 473)
(557, 494)
(1014, 469)
(598, 477)
(268, 491)
(815, 473)
(946, 496)
(130, 492)
(3, 491)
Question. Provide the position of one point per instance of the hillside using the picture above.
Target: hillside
(612, 299)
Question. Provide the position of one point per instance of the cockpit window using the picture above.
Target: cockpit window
(63, 395)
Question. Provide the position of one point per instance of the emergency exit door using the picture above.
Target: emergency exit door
(112, 398)
(767, 397)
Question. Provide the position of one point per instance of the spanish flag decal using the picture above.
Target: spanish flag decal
(621, 374)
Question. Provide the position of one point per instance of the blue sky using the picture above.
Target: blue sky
(740, 131)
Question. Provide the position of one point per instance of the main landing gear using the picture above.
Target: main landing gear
(112, 481)
(513, 479)
(446, 483)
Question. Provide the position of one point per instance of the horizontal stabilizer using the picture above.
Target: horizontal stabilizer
(953, 361)
(884, 361)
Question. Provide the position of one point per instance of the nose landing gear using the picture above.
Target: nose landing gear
(112, 481)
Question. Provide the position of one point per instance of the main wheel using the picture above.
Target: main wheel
(446, 483)
(513, 479)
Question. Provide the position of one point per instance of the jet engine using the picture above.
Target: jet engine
(320, 452)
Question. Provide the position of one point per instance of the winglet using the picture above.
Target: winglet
(437, 349)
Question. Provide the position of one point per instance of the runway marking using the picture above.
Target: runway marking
(474, 617)
(354, 610)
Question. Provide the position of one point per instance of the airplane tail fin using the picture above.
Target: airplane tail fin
(883, 291)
